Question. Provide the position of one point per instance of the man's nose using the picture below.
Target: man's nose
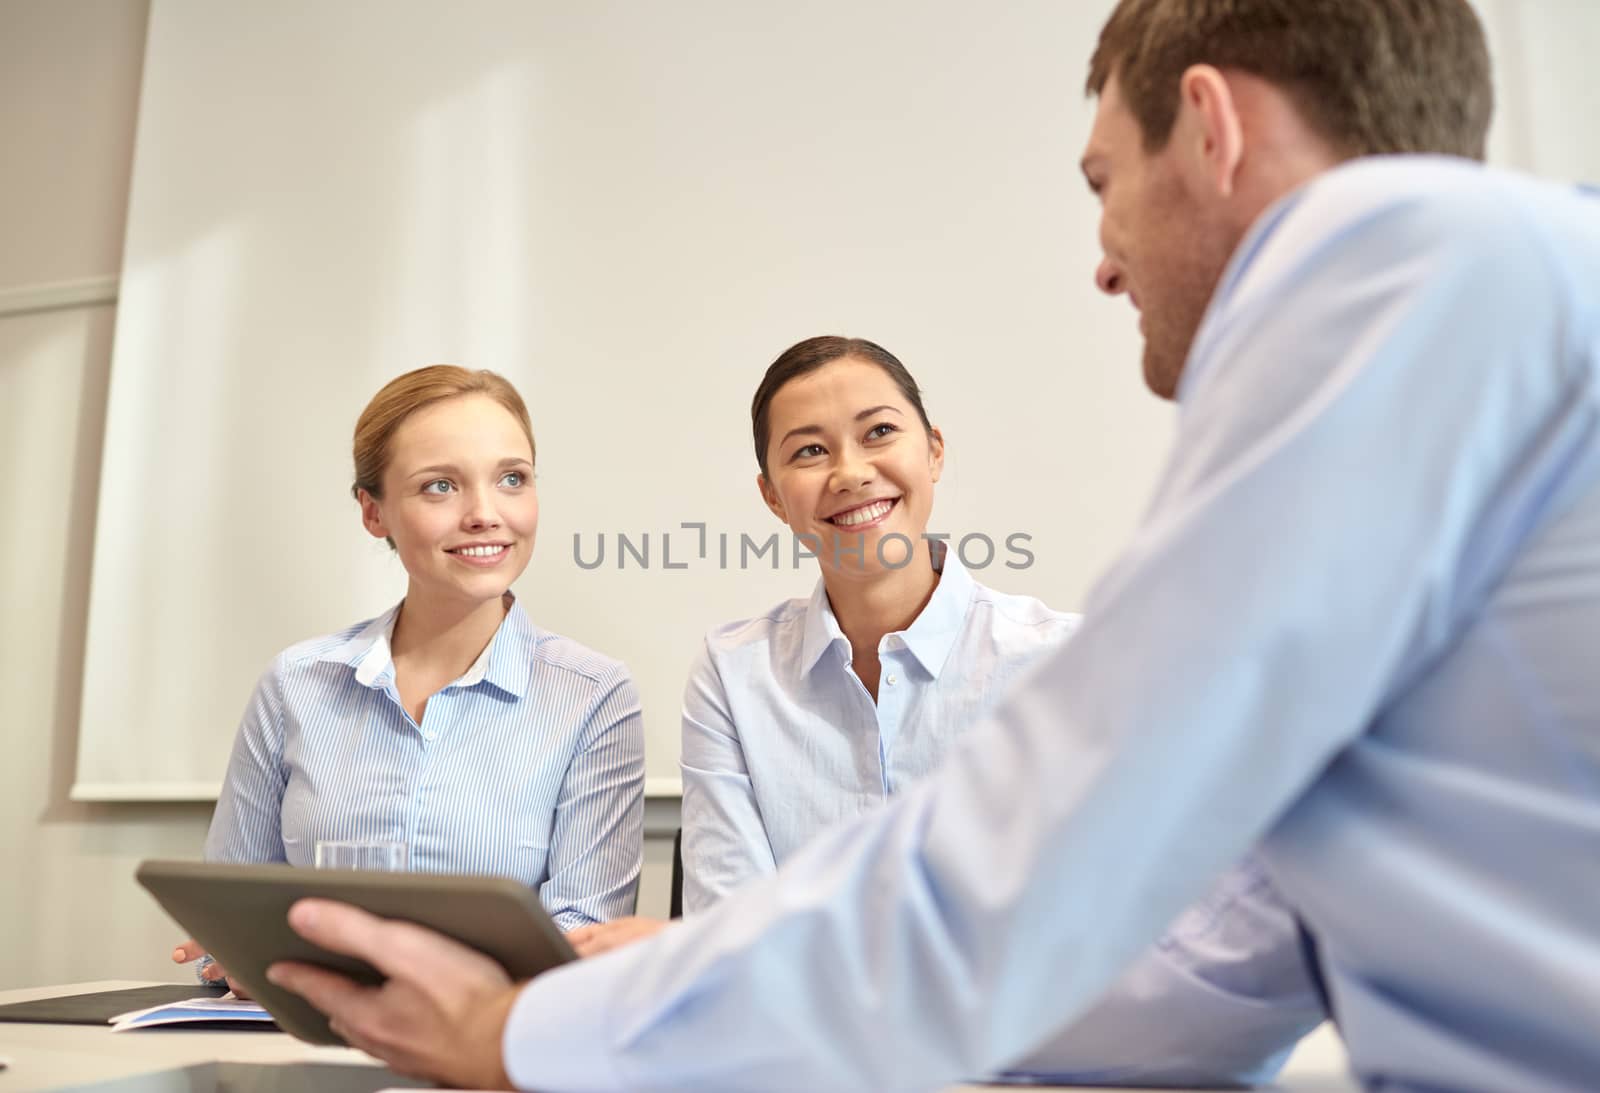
(1108, 278)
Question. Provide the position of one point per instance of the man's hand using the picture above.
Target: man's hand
(602, 937)
(439, 1016)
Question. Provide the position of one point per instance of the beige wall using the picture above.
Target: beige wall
(69, 909)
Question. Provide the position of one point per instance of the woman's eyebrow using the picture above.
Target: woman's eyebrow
(451, 468)
(876, 410)
(439, 468)
(803, 430)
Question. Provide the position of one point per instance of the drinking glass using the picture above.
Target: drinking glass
(379, 854)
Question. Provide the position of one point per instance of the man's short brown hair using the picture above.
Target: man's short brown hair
(1370, 76)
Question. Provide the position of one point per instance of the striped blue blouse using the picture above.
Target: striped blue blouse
(530, 766)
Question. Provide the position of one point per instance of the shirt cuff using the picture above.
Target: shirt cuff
(558, 1033)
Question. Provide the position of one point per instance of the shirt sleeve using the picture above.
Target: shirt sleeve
(597, 842)
(247, 823)
(1383, 385)
(1220, 999)
(725, 842)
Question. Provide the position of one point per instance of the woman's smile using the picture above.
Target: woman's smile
(868, 514)
(481, 555)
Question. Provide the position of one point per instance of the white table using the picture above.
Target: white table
(64, 1056)
(54, 1057)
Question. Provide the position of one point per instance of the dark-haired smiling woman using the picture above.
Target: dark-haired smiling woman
(823, 708)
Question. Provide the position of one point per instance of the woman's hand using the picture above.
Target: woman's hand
(211, 971)
(602, 937)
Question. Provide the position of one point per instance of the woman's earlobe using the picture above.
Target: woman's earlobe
(372, 517)
(769, 497)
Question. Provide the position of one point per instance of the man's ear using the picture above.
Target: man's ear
(770, 496)
(1209, 126)
(372, 516)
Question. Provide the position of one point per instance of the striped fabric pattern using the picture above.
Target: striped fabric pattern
(530, 766)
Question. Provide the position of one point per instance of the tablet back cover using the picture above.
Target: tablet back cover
(240, 914)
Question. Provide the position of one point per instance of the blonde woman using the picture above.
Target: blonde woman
(451, 722)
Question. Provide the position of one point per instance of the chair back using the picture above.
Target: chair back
(677, 875)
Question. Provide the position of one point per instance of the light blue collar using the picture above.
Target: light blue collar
(506, 662)
(931, 635)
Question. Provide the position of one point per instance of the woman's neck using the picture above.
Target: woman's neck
(869, 609)
(443, 639)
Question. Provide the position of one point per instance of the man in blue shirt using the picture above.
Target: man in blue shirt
(1355, 631)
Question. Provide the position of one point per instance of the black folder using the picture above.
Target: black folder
(99, 1007)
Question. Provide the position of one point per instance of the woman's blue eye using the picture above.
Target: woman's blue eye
(512, 479)
(438, 486)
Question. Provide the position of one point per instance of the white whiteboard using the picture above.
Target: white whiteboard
(628, 209)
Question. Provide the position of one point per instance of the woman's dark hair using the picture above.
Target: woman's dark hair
(808, 356)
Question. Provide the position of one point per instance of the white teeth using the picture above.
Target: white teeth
(863, 515)
(481, 551)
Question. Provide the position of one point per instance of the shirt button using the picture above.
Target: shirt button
(892, 680)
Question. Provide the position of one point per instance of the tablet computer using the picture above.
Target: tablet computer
(240, 914)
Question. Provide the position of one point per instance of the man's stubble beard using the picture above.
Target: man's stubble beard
(1186, 285)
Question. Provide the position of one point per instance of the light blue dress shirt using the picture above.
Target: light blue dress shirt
(529, 766)
(1357, 627)
(781, 741)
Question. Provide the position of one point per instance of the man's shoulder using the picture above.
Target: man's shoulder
(1445, 199)
(1394, 213)
(1375, 178)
